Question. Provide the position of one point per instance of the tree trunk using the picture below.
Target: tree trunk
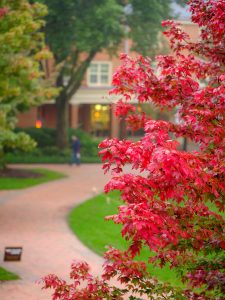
(184, 146)
(2, 160)
(123, 129)
(62, 122)
(62, 102)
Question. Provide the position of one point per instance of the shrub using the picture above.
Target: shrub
(48, 151)
(44, 137)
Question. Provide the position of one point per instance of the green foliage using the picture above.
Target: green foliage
(48, 152)
(21, 49)
(46, 140)
(104, 24)
(37, 157)
(182, 2)
(22, 183)
(6, 275)
(82, 26)
(44, 137)
(145, 23)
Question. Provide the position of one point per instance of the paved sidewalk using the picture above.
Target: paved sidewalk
(35, 218)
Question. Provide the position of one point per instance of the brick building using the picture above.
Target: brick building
(90, 108)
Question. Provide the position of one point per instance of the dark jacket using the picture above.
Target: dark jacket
(76, 146)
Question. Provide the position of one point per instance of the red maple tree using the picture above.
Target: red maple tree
(172, 203)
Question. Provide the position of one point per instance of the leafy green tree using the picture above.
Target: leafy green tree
(21, 49)
(144, 21)
(77, 30)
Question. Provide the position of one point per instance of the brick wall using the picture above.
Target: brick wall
(28, 119)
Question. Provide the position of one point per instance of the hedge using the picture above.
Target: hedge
(47, 151)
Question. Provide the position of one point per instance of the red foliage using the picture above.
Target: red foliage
(3, 11)
(167, 204)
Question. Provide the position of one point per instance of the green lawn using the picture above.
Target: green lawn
(21, 183)
(6, 275)
(87, 222)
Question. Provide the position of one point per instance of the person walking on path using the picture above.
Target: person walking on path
(75, 150)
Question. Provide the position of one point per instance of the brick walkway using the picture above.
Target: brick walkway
(35, 218)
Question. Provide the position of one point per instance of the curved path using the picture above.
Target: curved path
(35, 218)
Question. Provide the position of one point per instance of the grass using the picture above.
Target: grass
(96, 233)
(22, 183)
(6, 275)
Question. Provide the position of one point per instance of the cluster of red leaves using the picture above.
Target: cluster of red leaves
(3, 11)
(79, 273)
(167, 195)
(131, 277)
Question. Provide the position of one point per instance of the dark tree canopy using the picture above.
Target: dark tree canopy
(82, 25)
(78, 29)
(93, 24)
(145, 23)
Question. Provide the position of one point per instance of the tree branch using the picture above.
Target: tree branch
(78, 75)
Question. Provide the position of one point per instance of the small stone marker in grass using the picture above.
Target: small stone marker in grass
(13, 253)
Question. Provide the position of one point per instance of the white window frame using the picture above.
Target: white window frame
(98, 83)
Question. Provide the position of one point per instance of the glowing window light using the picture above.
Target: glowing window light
(38, 124)
(96, 115)
(98, 106)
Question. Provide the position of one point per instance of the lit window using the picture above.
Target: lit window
(99, 74)
(38, 124)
